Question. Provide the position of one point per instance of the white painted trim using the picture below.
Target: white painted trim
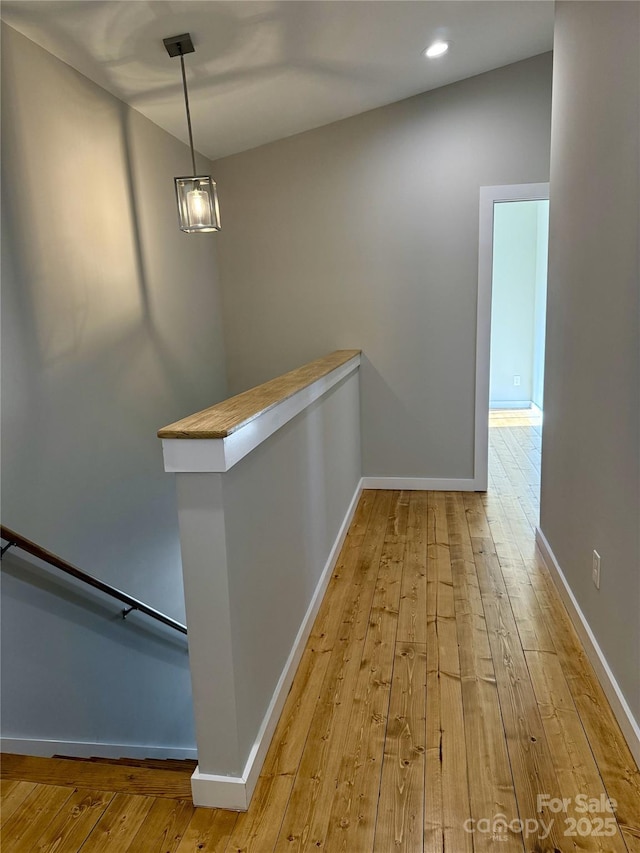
(510, 404)
(232, 792)
(488, 197)
(420, 484)
(219, 792)
(619, 705)
(87, 749)
(217, 455)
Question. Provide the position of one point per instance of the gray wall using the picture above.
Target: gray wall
(313, 464)
(364, 233)
(591, 441)
(77, 680)
(111, 328)
(255, 541)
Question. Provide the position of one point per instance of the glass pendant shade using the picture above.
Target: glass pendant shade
(198, 210)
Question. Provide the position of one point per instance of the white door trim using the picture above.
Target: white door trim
(488, 197)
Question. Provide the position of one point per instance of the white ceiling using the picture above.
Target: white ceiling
(266, 69)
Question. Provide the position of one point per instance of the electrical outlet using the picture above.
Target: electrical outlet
(516, 380)
(595, 569)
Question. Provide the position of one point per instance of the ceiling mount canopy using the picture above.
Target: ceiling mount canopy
(179, 45)
(196, 195)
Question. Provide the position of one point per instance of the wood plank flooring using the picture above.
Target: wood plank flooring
(104, 776)
(443, 689)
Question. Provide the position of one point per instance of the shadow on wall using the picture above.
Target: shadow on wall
(111, 328)
(107, 335)
(94, 613)
(82, 362)
(82, 640)
(69, 211)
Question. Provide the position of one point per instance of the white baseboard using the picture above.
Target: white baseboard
(510, 404)
(86, 749)
(420, 484)
(619, 706)
(231, 792)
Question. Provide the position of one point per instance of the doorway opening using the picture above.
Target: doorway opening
(518, 304)
(512, 279)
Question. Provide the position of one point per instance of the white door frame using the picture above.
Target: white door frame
(488, 197)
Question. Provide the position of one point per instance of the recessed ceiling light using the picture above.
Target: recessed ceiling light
(438, 48)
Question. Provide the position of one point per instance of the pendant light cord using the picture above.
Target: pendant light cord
(186, 103)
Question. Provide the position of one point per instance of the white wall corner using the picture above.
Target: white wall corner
(203, 547)
(233, 792)
(619, 705)
(219, 792)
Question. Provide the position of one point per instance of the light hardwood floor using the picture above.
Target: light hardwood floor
(443, 685)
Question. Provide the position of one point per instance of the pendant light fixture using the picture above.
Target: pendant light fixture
(196, 194)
